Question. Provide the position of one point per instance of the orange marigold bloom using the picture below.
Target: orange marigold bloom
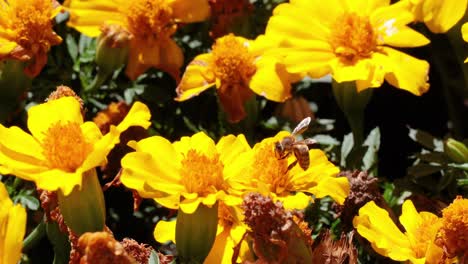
(151, 24)
(453, 235)
(26, 32)
(238, 68)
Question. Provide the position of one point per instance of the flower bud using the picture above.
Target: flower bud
(456, 150)
(112, 48)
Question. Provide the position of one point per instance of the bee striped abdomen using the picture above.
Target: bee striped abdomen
(301, 151)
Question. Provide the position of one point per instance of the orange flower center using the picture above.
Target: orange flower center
(271, 171)
(353, 37)
(30, 20)
(232, 61)
(202, 174)
(65, 146)
(454, 232)
(149, 19)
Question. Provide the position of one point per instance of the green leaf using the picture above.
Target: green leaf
(346, 148)
(371, 156)
(326, 140)
(421, 170)
(438, 157)
(72, 47)
(426, 139)
(154, 259)
(30, 202)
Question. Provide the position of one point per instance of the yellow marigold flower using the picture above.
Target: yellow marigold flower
(238, 68)
(186, 173)
(151, 24)
(259, 170)
(60, 147)
(351, 41)
(439, 16)
(26, 32)
(415, 245)
(229, 234)
(453, 234)
(12, 228)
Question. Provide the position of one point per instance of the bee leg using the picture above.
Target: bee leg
(291, 165)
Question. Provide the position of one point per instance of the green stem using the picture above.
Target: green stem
(34, 237)
(353, 104)
(99, 79)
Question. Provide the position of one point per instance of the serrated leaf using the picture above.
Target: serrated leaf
(426, 139)
(421, 170)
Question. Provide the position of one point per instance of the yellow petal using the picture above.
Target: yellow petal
(230, 147)
(409, 218)
(222, 249)
(298, 201)
(20, 153)
(6, 46)
(41, 117)
(366, 7)
(199, 142)
(198, 77)
(14, 233)
(54, 179)
(189, 206)
(440, 16)
(464, 31)
(361, 70)
(140, 170)
(391, 22)
(88, 16)
(165, 231)
(169, 201)
(271, 80)
(374, 224)
(407, 72)
(139, 115)
(190, 11)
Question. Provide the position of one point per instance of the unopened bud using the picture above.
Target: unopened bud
(112, 48)
(456, 150)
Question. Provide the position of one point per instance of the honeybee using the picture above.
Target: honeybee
(300, 148)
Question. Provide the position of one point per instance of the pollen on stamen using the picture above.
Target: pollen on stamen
(202, 174)
(268, 169)
(233, 63)
(149, 19)
(65, 146)
(353, 37)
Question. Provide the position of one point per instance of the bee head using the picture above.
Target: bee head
(279, 149)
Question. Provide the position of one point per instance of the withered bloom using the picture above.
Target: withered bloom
(363, 189)
(277, 234)
(140, 252)
(332, 251)
(227, 16)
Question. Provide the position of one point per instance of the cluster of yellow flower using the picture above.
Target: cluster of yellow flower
(352, 40)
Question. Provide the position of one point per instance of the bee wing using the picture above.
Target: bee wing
(302, 126)
(309, 141)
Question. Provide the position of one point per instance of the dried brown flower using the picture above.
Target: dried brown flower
(330, 251)
(101, 247)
